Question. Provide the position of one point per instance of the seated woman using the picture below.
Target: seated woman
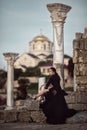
(54, 107)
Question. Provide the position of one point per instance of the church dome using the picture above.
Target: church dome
(40, 46)
(40, 38)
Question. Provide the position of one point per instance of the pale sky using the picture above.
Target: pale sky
(21, 21)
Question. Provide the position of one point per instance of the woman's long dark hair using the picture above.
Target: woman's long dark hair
(53, 69)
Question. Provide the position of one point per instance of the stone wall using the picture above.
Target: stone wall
(24, 111)
(80, 61)
(77, 101)
(78, 98)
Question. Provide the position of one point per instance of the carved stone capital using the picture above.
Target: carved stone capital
(10, 57)
(58, 17)
(58, 12)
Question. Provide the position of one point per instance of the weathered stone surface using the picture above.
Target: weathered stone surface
(76, 69)
(82, 80)
(81, 98)
(78, 106)
(80, 61)
(79, 35)
(81, 44)
(85, 30)
(76, 44)
(85, 57)
(81, 88)
(38, 116)
(10, 115)
(81, 56)
(75, 56)
(70, 98)
(28, 104)
(19, 102)
(85, 40)
(32, 105)
(80, 69)
(29, 112)
(1, 116)
(80, 117)
(24, 116)
(76, 98)
(77, 101)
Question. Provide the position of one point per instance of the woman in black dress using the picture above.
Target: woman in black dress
(54, 107)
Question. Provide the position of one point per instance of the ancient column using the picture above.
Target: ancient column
(10, 58)
(58, 14)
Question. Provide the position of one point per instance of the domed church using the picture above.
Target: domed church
(40, 48)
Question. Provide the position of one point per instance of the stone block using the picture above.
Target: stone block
(80, 117)
(75, 56)
(24, 116)
(2, 116)
(82, 80)
(82, 69)
(76, 44)
(10, 115)
(78, 35)
(81, 88)
(76, 98)
(85, 31)
(81, 56)
(76, 69)
(19, 102)
(70, 98)
(79, 106)
(81, 44)
(38, 116)
(85, 57)
(85, 40)
(32, 104)
(81, 98)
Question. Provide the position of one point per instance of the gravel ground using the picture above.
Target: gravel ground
(27, 126)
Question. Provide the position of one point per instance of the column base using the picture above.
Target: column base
(9, 108)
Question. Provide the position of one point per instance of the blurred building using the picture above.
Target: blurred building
(41, 50)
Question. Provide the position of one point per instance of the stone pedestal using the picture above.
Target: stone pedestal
(41, 84)
(10, 58)
(58, 14)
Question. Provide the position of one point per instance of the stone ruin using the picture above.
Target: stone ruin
(28, 110)
(80, 61)
(78, 98)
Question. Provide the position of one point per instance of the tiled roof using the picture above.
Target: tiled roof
(33, 55)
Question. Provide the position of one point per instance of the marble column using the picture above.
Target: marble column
(58, 15)
(10, 58)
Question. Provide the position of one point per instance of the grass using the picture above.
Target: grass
(33, 88)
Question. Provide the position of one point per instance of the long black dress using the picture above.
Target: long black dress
(55, 107)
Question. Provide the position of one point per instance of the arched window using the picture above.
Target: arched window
(44, 46)
(33, 47)
(49, 46)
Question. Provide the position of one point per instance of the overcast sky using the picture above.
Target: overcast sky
(22, 20)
